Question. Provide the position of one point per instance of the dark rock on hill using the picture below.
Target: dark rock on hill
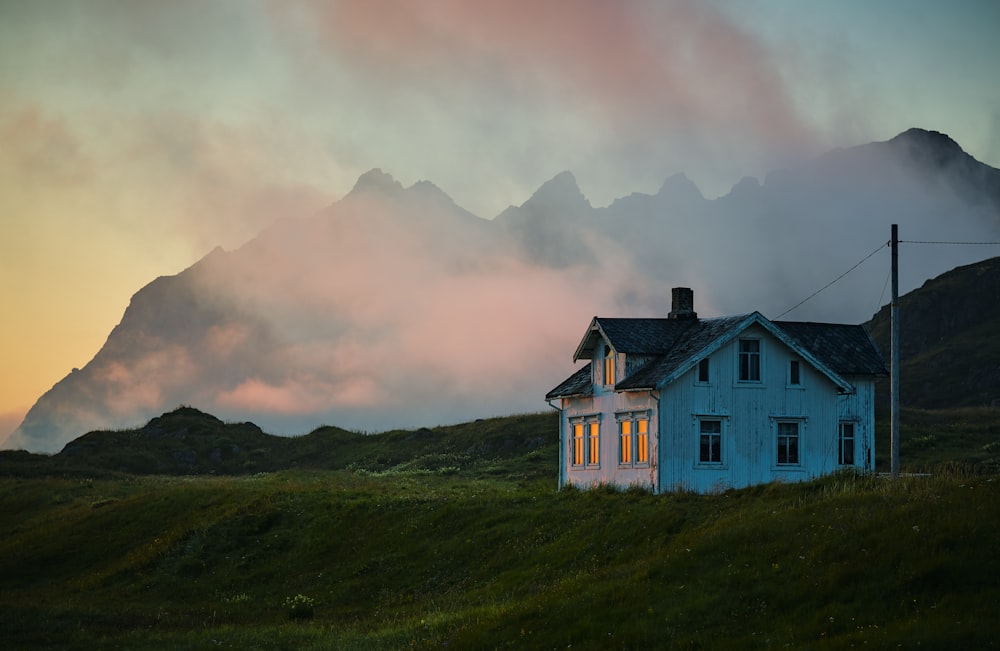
(949, 339)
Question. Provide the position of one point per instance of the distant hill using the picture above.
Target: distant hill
(395, 307)
(187, 441)
(949, 338)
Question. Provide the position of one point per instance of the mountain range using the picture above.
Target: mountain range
(396, 307)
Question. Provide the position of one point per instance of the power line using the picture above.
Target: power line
(941, 242)
(879, 248)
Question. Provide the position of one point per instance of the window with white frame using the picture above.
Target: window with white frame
(625, 443)
(609, 366)
(709, 441)
(578, 443)
(585, 441)
(594, 443)
(633, 439)
(749, 360)
(788, 443)
(845, 444)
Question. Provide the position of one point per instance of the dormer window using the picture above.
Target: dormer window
(609, 366)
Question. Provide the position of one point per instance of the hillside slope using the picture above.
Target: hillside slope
(949, 346)
(410, 560)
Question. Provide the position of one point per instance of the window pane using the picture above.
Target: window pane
(578, 444)
(642, 441)
(703, 370)
(788, 443)
(749, 360)
(710, 441)
(595, 443)
(793, 372)
(846, 444)
(625, 442)
(609, 366)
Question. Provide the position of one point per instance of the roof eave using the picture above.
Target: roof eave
(583, 350)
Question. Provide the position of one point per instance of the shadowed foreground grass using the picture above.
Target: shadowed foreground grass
(456, 538)
(423, 561)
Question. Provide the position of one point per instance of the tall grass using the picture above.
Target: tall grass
(423, 560)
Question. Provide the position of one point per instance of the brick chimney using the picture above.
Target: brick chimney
(682, 304)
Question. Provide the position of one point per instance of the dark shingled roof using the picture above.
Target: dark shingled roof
(578, 384)
(695, 339)
(847, 349)
(675, 343)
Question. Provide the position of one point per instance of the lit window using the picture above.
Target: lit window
(642, 441)
(749, 353)
(609, 366)
(578, 444)
(794, 376)
(703, 370)
(845, 445)
(625, 443)
(594, 444)
(710, 441)
(633, 439)
(788, 443)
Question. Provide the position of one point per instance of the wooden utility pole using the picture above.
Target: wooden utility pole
(894, 362)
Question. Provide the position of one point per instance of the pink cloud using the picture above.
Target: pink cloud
(638, 65)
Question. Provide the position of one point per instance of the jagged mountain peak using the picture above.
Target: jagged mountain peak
(561, 190)
(375, 180)
(679, 185)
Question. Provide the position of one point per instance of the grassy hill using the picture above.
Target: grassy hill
(456, 538)
(949, 350)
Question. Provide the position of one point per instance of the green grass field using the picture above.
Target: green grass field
(443, 543)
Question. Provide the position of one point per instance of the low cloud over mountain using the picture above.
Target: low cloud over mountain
(397, 307)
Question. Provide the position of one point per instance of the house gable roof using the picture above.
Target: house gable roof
(632, 336)
(577, 385)
(677, 345)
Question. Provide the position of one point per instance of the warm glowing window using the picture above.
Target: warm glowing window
(845, 445)
(788, 443)
(710, 441)
(578, 444)
(625, 449)
(749, 356)
(642, 441)
(609, 366)
(633, 439)
(594, 444)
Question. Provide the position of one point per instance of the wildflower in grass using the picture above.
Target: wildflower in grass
(300, 607)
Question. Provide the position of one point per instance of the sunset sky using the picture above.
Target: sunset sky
(137, 136)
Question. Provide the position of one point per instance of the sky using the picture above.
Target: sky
(136, 136)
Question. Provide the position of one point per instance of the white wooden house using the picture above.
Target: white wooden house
(682, 403)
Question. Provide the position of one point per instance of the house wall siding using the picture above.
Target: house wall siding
(749, 413)
(605, 404)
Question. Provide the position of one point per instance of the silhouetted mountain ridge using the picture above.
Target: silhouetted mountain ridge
(396, 307)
